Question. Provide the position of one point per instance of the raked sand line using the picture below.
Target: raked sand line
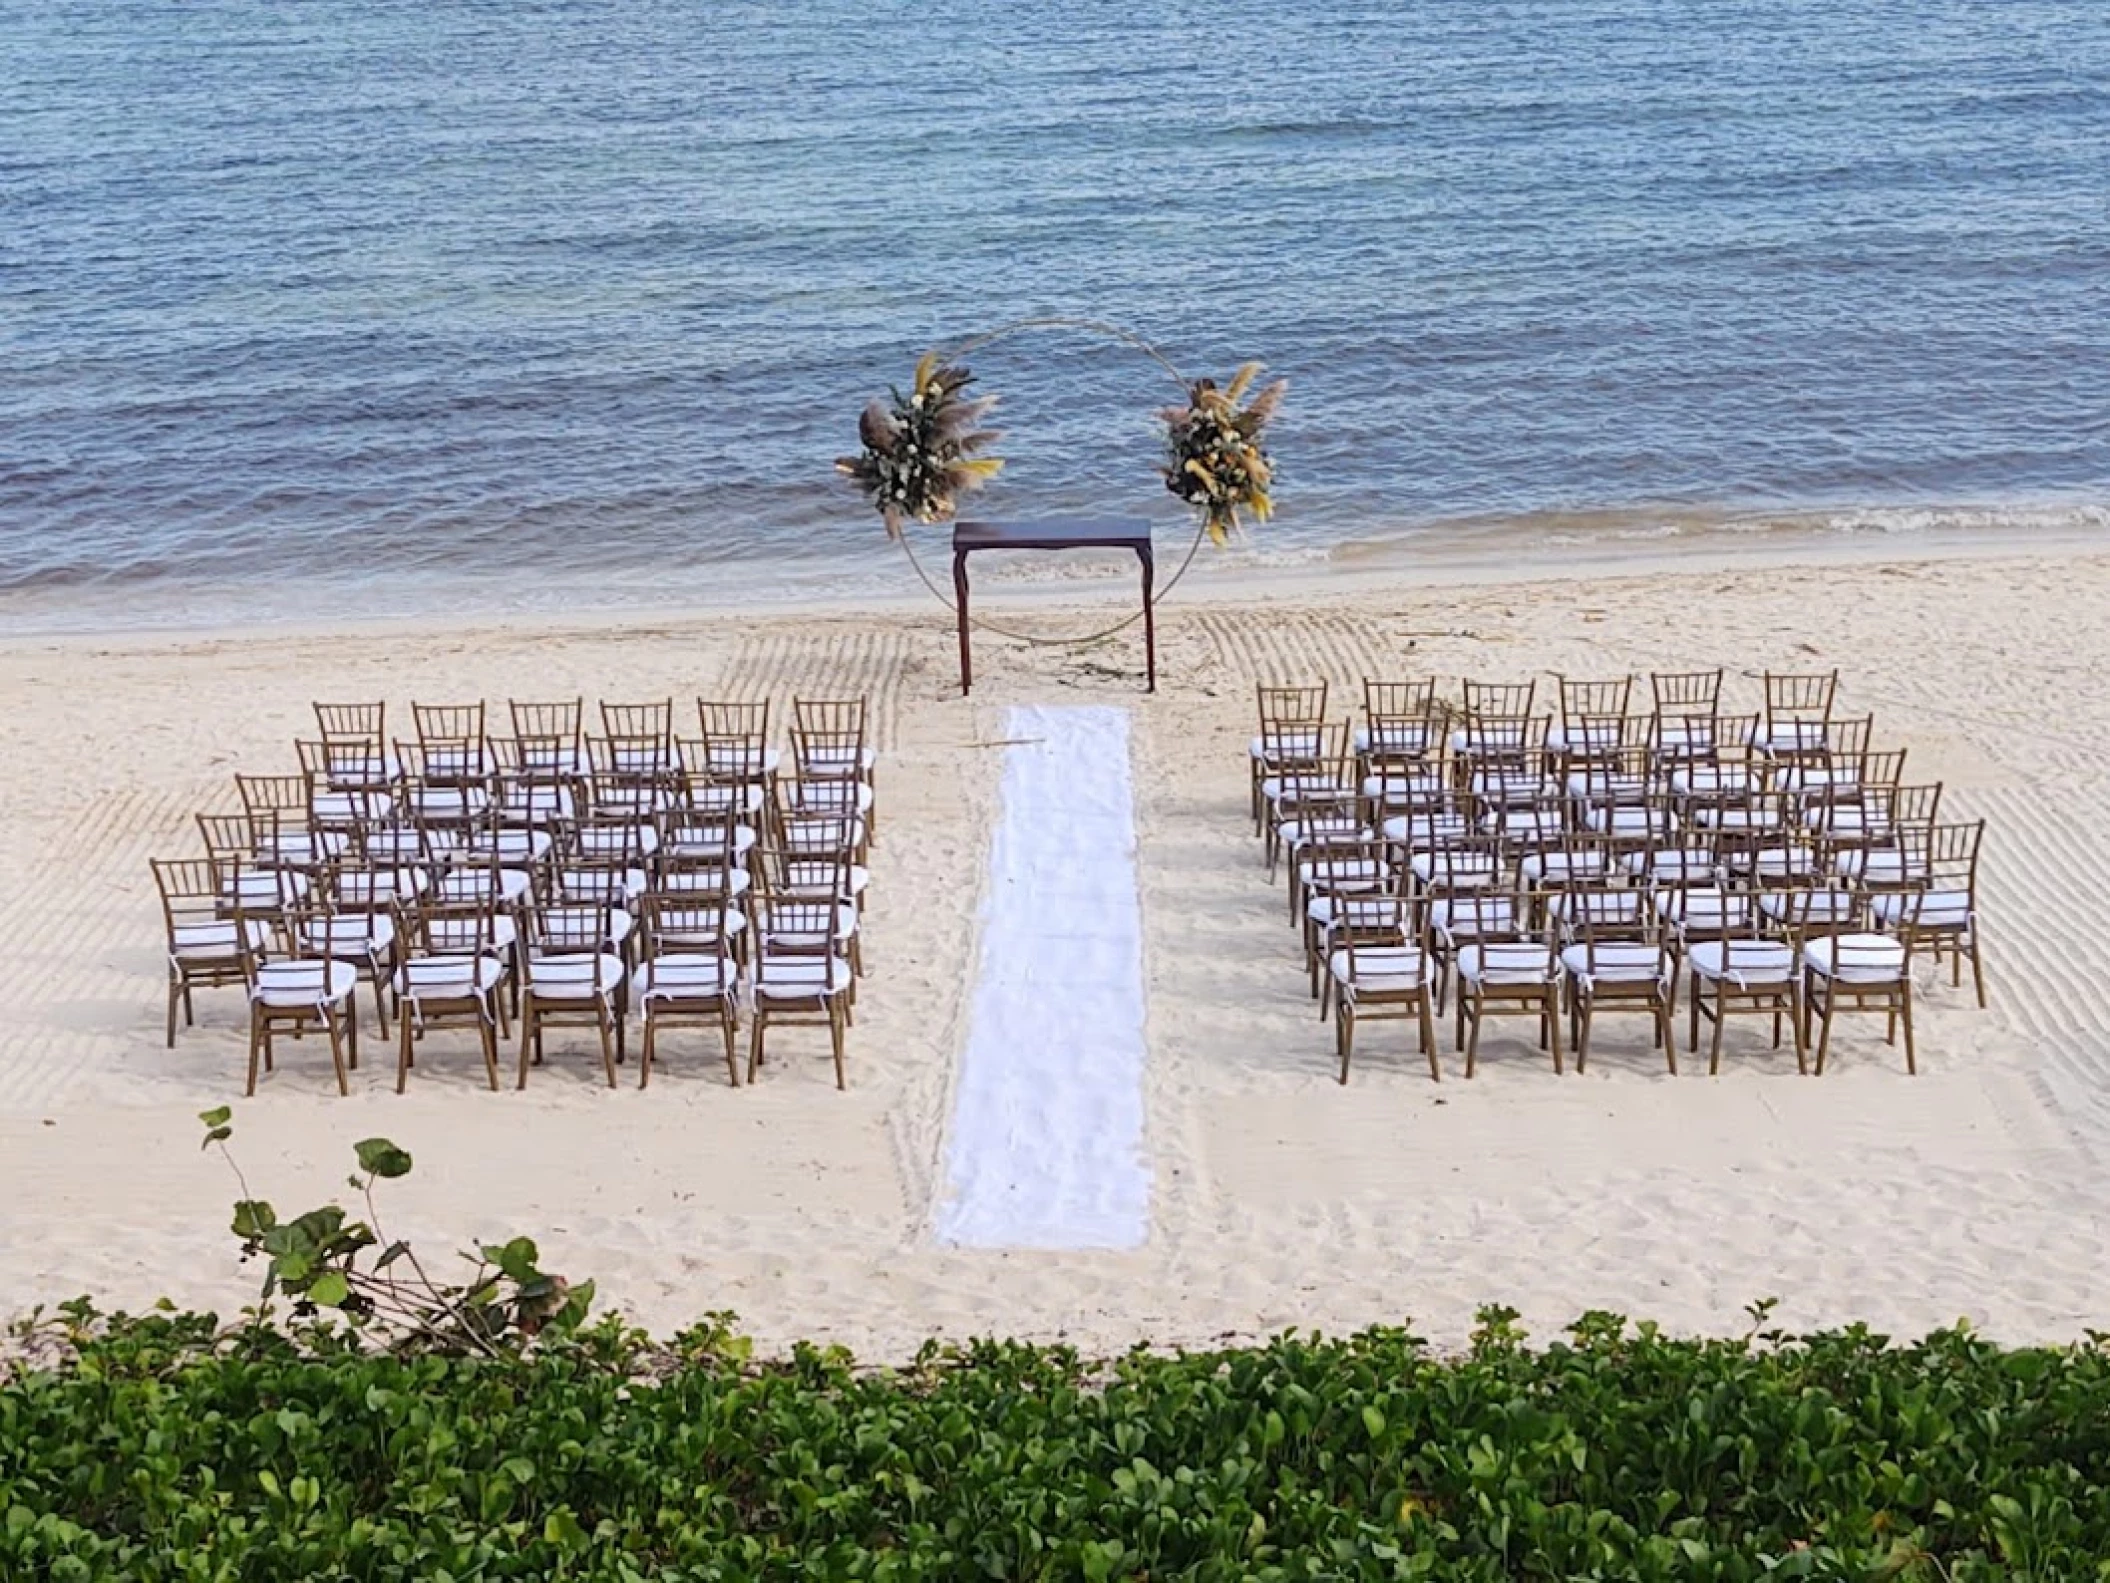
(1046, 1146)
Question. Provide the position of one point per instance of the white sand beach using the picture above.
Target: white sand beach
(1979, 1189)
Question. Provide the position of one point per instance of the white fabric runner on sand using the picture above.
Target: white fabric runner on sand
(1047, 1128)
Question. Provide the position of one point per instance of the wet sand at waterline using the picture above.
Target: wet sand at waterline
(1979, 1189)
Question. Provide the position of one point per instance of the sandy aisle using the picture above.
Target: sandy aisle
(1979, 1189)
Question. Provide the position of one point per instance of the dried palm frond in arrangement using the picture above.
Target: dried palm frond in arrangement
(1214, 457)
(919, 451)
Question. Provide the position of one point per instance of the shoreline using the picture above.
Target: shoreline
(1031, 586)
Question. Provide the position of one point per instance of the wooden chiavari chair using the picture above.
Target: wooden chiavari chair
(1941, 912)
(1330, 873)
(831, 741)
(1863, 971)
(1377, 967)
(1399, 727)
(296, 987)
(1506, 965)
(801, 977)
(689, 976)
(549, 738)
(570, 978)
(1291, 741)
(1798, 714)
(1743, 970)
(1594, 722)
(1318, 797)
(1616, 958)
(453, 975)
(205, 945)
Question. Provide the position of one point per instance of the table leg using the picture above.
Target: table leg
(1150, 613)
(959, 595)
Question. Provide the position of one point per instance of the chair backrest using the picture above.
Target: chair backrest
(1585, 701)
(1916, 805)
(612, 840)
(729, 757)
(352, 722)
(1320, 779)
(644, 720)
(1497, 700)
(1952, 857)
(190, 891)
(634, 773)
(1362, 924)
(1399, 720)
(287, 795)
(372, 888)
(1800, 696)
(733, 719)
(830, 714)
(1486, 737)
(1696, 694)
(798, 926)
(1846, 740)
(226, 836)
(1347, 861)
(1884, 768)
(1469, 863)
(686, 923)
(568, 928)
(455, 929)
(1595, 913)
(561, 721)
(1290, 720)
(453, 744)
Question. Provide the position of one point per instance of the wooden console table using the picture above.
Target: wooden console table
(1055, 533)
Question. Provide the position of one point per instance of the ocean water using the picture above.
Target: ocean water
(361, 307)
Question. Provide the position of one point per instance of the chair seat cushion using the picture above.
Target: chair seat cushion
(1423, 831)
(1284, 745)
(1856, 958)
(307, 982)
(686, 975)
(1505, 962)
(1809, 909)
(1931, 909)
(1696, 913)
(1454, 922)
(1617, 962)
(213, 942)
(1743, 963)
(575, 975)
(363, 934)
(802, 977)
(449, 977)
(1379, 970)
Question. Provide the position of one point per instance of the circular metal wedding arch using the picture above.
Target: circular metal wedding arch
(1114, 332)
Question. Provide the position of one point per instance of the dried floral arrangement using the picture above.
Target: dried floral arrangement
(921, 450)
(1214, 455)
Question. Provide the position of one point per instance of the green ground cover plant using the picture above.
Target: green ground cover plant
(169, 1448)
(393, 1425)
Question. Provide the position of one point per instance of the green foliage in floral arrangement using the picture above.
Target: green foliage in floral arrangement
(920, 450)
(165, 1447)
(1215, 457)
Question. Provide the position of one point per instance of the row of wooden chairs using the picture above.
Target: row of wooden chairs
(691, 880)
(1798, 850)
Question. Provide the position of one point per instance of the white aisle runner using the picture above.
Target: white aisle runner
(1047, 1128)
